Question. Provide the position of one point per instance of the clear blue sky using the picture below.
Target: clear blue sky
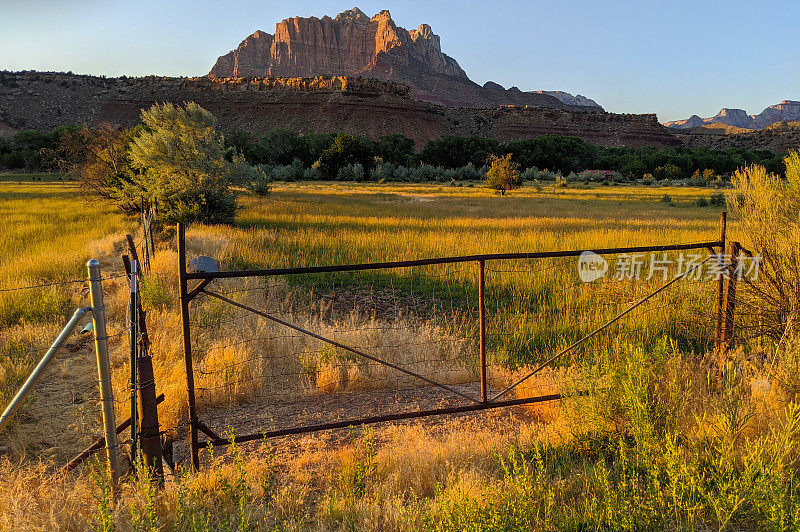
(671, 57)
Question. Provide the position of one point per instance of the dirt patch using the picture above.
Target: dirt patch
(261, 415)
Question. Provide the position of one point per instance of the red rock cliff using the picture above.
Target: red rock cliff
(354, 44)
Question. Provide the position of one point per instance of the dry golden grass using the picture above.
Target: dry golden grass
(403, 476)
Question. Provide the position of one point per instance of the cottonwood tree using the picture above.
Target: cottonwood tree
(504, 174)
(99, 159)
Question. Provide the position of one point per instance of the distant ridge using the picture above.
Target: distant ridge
(786, 111)
(353, 44)
(367, 107)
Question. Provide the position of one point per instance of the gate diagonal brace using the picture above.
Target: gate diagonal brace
(602, 327)
(197, 289)
(340, 345)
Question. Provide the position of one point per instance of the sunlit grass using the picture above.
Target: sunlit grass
(535, 306)
(48, 233)
(658, 443)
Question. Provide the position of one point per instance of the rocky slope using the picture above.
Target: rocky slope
(369, 107)
(353, 44)
(787, 110)
(779, 137)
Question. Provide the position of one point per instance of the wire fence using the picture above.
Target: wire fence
(61, 402)
(277, 352)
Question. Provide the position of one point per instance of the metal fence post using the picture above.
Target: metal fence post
(482, 317)
(103, 366)
(730, 299)
(151, 438)
(720, 285)
(132, 307)
(187, 346)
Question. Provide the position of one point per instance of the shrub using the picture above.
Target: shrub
(311, 174)
(717, 199)
(180, 163)
(768, 208)
(701, 202)
(425, 173)
(668, 171)
(155, 292)
(530, 174)
(666, 198)
(504, 174)
(290, 172)
(467, 173)
(351, 172)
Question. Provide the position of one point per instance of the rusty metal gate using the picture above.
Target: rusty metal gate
(449, 398)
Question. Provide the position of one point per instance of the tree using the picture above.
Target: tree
(504, 174)
(180, 163)
(345, 150)
(280, 146)
(451, 151)
(396, 149)
(99, 159)
(558, 153)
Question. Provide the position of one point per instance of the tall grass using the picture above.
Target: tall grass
(669, 437)
(49, 231)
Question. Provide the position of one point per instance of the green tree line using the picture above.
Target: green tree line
(287, 155)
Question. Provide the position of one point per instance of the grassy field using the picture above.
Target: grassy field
(669, 438)
(534, 305)
(50, 230)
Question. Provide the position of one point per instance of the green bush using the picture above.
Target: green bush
(181, 163)
(717, 199)
(351, 172)
(504, 174)
(155, 292)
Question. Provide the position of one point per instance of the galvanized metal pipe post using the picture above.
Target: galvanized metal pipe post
(26, 388)
(132, 308)
(104, 366)
(482, 317)
(187, 346)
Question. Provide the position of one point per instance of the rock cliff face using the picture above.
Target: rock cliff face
(352, 44)
(367, 107)
(786, 111)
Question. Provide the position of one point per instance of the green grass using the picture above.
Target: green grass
(47, 229)
(534, 307)
(32, 177)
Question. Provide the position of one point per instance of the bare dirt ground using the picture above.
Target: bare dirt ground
(259, 416)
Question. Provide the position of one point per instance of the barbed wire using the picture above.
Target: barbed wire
(59, 283)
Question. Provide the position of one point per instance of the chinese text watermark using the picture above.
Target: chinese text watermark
(692, 266)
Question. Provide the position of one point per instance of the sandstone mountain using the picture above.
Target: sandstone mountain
(352, 44)
(786, 111)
